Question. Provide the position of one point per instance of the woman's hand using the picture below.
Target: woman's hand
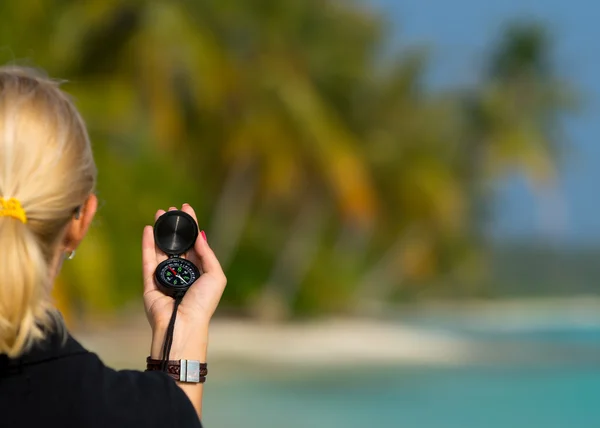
(199, 303)
(190, 337)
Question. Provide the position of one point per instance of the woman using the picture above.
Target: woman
(47, 203)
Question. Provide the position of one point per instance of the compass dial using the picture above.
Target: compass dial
(176, 274)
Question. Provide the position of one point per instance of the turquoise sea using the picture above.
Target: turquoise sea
(547, 376)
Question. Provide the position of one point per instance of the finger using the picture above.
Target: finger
(208, 260)
(149, 262)
(172, 209)
(158, 214)
(187, 208)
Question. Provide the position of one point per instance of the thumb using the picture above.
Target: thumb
(208, 260)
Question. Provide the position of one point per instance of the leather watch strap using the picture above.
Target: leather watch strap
(181, 370)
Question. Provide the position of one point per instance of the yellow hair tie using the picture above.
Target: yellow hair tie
(12, 208)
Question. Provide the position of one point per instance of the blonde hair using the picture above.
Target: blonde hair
(46, 163)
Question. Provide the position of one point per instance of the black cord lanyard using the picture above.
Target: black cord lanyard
(169, 335)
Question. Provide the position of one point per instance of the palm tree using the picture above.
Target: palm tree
(513, 119)
(445, 153)
(320, 174)
(233, 98)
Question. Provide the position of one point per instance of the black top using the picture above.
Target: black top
(64, 385)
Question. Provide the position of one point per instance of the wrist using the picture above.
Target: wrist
(188, 343)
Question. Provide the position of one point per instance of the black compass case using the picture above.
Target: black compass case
(175, 232)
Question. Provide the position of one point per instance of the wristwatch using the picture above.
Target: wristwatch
(191, 371)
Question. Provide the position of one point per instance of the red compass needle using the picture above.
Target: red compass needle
(172, 271)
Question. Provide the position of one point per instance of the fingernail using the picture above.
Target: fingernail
(203, 235)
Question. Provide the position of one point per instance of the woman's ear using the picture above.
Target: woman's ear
(80, 223)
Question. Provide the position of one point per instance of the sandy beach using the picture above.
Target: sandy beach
(335, 342)
(339, 342)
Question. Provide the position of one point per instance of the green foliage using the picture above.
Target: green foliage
(322, 175)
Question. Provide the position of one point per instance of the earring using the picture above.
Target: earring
(71, 255)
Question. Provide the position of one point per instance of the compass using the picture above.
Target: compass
(175, 232)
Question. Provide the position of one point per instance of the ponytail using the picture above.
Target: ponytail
(24, 300)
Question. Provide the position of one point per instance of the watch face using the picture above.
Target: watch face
(176, 274)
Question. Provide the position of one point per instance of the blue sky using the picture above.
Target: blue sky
(459, 31)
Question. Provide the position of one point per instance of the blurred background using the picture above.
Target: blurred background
(402, 195)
